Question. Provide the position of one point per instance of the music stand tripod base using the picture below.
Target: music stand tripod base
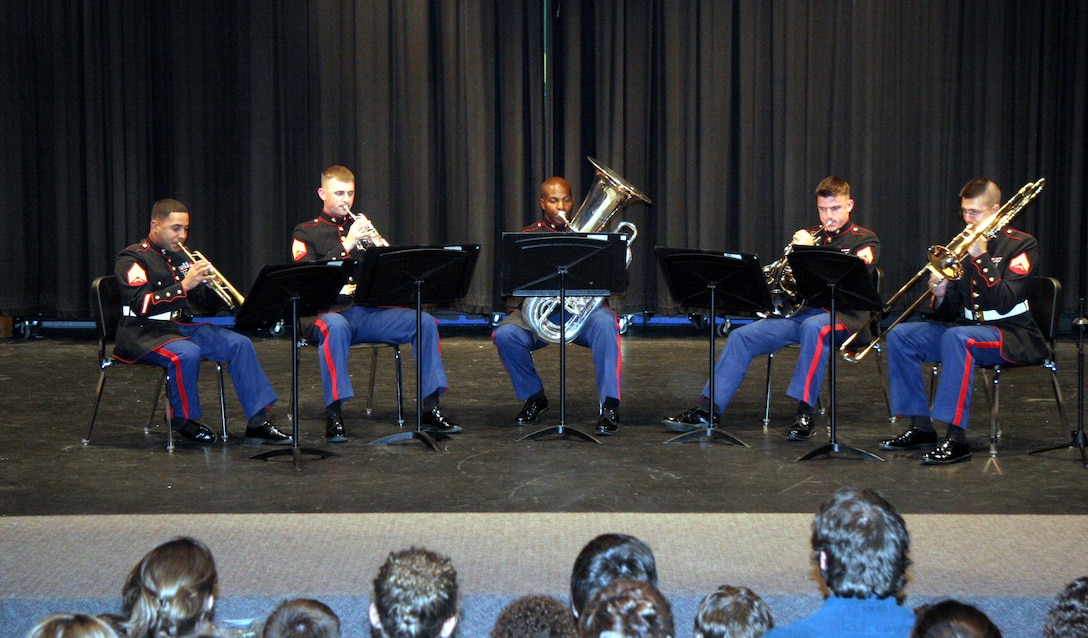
(829, 449)
(430, 439)
(296, 452)
(561, 431)
(710, 434)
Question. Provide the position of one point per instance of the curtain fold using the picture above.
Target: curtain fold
(725, 113)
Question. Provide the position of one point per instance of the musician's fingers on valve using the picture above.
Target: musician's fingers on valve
(803, 238)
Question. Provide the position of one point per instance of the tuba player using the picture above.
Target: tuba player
(516, 341)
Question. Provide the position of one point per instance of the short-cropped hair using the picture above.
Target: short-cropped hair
(415, 593)
(981, 186)
(608, 558)
(1069, 615)
(535, 617)
(733, 612)
(162, 209)
(302, 618)
(865, 542)
(953, 619)
(833, 186)
(627, 609)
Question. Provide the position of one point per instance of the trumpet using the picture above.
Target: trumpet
(218, 283)
(947, 263)
(365, 242)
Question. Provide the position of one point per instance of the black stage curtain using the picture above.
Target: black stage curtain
(726, 114)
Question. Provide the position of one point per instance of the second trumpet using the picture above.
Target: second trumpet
(366, 242)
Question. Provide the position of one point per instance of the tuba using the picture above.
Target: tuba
(609, 194)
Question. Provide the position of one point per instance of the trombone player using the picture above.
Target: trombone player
(160, 283)
(979, 319)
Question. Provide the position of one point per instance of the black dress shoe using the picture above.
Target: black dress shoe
(197, 433)
(531, 411)
(609, 422)
(694, 419)
(434, 421)
(802, 429)
(949, 451)
(912, 439)
(334, 429)
(266, 433)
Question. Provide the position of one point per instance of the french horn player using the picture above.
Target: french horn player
(807, 326)
(979, 316)
(516, 339)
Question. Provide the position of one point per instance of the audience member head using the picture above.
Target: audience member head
(171, 591)
(608, 558)
(302, 618)
(953, 619)
(732, 612)
(415, 596)
(1069, 615)
(72, 626)
(861, 545)
(535, 617)
(627, 609)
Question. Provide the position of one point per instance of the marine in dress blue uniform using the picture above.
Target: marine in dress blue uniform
(516, 341)
(160, 287)
(810, 327)
(980, 319)
(334, 234)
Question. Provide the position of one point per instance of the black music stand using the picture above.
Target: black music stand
(286, 292)
(563, 264)
(722, 282)
(1078, 439)
(415, 275)
(834, 280)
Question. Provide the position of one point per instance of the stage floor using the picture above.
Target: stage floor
(48, 389)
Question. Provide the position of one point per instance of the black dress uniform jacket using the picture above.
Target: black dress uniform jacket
(149, 277)
(997, 281)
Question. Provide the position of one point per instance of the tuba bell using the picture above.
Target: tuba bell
(609, 194)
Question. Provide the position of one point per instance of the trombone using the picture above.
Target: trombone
(218, 283)
(946, 262)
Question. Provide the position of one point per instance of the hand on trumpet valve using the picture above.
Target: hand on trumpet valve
(363, 234)
(200, 272)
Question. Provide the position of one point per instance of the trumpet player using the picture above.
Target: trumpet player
(515, 340)
(160, 285)
(980, 319)
(809, 326)
(337, 233)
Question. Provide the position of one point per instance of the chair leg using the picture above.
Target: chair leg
(884, 384)
(222, 400)
(168, 415)
(767, 398)
(1053, 367)
(400, 388)
(373, 375)
(97, 401)
(155, 404)
(995, 431)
